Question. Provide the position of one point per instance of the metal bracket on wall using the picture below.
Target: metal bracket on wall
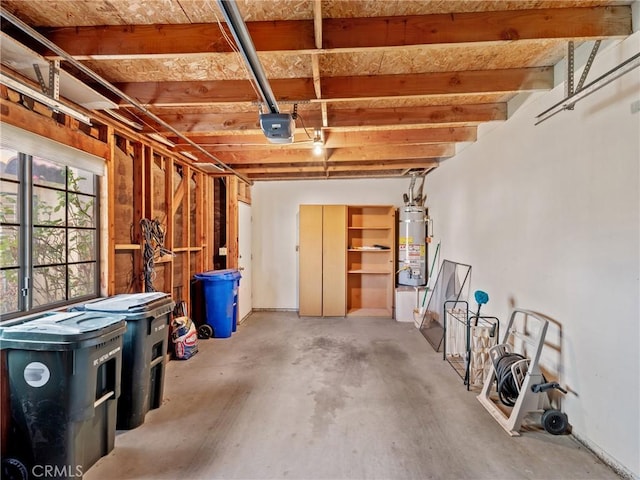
(571, 69)
(53, 89)
(584, 91)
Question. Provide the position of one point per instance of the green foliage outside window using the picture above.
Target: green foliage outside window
(63, 244)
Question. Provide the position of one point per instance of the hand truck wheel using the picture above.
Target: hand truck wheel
(555, 422)
(205, 331)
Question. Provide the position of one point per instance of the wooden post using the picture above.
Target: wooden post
(232, 222)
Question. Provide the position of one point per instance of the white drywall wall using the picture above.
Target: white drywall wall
(275, 228)
(549, 218)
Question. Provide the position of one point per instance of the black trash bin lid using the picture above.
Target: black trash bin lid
(130, 303)
(64, 330)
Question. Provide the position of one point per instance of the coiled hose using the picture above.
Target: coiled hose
(506, 385)
(153, 236)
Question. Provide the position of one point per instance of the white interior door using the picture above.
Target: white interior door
(244, 259)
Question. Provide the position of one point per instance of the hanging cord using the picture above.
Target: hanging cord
(153, 236)
(506, 384)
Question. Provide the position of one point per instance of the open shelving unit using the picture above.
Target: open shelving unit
(370, 260)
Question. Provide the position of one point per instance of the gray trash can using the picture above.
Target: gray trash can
(144, 355)
(64, 382)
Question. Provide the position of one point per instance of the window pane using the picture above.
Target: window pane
(9, 246)
(81, 212)
(80, 181)
(49, 285)
(9, 202)
(9, 162)
(48, 173)
(9, 291)
(48, 245)
(82, 245)
(82, 280)
(48, 206)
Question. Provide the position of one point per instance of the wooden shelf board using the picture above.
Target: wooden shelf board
(370, 272)
(369, 312)
(387, 250)
(127, 246)
(370, 228)
(187, 249)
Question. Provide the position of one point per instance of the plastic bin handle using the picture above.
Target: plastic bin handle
(103, 398)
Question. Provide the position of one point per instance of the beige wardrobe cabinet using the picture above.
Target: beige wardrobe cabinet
(346, 260)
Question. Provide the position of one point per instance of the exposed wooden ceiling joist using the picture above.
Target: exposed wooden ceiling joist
(132, 41)
(392, 86)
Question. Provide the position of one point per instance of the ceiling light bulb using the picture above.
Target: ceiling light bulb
(318, 144)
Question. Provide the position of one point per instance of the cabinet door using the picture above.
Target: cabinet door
(334, 260)
(310, 261)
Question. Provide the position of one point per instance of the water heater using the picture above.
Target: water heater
(412, 246)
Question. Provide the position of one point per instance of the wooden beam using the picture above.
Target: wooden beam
(216, 141)
(448, 114)
(382, 152)
(232, 222)
(326, 175)
(207, 122)
(339, 167)
(345, 87)
(489, 26)
(438, 83)
(317, 22)
(337, 138)
(240, 159)
(19, 116)
(212, 91)
(417, 115)
(108, 231)
(135, 41)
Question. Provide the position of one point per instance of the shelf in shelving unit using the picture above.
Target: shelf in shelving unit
(370, 228)
(369, 312)
(369, 271)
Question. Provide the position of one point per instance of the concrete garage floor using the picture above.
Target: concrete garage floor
(333, 398)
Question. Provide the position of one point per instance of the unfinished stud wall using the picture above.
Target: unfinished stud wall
(143, 180)
(150, 184)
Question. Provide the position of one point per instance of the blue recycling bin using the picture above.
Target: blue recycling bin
(220, 289)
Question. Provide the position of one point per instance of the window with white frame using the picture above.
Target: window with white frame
(48, 233)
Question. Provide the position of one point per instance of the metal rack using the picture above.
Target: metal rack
(466, 341)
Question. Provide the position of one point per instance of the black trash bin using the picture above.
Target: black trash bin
(64, 382)
(144, 355)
